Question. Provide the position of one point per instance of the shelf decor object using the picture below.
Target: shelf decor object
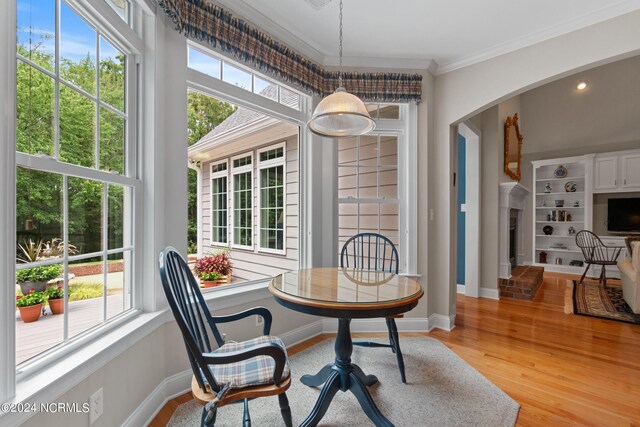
(560, 172)
(547, 230)
(570, 187)
(512, 147)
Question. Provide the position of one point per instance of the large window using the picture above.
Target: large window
(372, 195)
(272, 203)
(242, 201)
(76, 178)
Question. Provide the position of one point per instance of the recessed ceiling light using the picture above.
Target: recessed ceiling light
(582, 85)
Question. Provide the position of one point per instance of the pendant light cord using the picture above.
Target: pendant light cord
(340, 60)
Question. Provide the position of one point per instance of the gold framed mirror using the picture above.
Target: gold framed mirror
(512, 147)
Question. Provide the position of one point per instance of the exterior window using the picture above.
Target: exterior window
(219, 203)
(237, 75)
(76, 180)
(242, 202)
(272, 178)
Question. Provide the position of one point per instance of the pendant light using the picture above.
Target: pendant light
(341, 113)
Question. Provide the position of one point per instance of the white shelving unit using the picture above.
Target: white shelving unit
(556, 208)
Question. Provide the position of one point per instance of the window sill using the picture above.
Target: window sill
(47, 385)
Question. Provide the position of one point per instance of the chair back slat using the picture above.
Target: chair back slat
(593, 250)
(191, 312)
(383, 256)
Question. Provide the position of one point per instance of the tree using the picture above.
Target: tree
(204, 114)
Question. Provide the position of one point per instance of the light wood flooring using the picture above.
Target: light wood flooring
(562, 369)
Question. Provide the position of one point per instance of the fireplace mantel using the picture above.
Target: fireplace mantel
(512, 196)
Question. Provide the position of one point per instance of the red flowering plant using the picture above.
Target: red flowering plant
(32, 297)
(219, 263)
(55, 292)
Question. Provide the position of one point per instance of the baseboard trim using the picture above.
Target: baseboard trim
(440, 321)
(302, 333)
(461, 289)
(330, 326)
(170, 388)
(489, 293)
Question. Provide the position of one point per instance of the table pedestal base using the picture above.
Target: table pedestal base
(343, 375)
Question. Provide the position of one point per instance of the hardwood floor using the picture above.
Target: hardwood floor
(563, 369)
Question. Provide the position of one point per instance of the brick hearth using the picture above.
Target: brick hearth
(523, 284)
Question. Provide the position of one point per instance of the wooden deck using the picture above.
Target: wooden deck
(47, 332)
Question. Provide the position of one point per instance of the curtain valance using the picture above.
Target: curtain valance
(204, 21)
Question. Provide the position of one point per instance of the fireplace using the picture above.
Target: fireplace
(511, 227)
(513, 237)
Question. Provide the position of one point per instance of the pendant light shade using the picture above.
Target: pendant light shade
(341, 114)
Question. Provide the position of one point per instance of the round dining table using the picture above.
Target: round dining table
(345, 294)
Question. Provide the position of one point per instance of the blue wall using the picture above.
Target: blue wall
(462, 193)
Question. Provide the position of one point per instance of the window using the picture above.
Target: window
(372, 195)
(76, 179)
(242, 201)
(219, 203)
(222, 69)
(271, 170)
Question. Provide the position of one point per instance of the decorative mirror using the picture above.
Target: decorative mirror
(512, 147)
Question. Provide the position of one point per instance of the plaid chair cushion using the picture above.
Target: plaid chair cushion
(255, 371)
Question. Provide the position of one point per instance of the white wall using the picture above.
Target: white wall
(463, 93)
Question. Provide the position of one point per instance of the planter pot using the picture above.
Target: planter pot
(38, 286)
(56, 305)
(209, 283)
(225, 280)
(31, 313)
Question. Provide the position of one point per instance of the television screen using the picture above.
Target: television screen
(624, 215)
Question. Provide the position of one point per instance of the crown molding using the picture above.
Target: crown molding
(381, 62)
(608, 12)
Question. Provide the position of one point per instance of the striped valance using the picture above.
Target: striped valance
(204, 21)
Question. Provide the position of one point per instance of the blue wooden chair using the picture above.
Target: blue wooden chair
(372, 251)
(233, 371)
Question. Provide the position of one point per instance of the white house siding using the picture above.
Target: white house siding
(255, 264)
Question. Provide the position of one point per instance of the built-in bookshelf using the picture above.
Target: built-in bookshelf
(562, 207)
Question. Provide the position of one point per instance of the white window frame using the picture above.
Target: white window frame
(236, 171)
(107, 23)
(280, 161)
(216, 175)
(404, 129)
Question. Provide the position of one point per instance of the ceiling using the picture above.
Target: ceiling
(434, 34)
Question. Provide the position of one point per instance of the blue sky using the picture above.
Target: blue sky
(77, 38)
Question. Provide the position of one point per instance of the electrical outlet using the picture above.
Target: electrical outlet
(259, 320)
(95, 406)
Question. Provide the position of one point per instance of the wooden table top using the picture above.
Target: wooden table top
(352, 289)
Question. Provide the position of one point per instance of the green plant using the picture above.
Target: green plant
(36, 251)
(212, 275)
(39, 274)
(32, 297)
(55, 293)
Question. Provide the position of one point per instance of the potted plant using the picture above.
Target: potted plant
(210, 279)
(30, 305)
(222, 264)
(36, 278)
(212, 269)
(55, 296)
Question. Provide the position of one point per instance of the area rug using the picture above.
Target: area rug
(593, 299)
(441, 390)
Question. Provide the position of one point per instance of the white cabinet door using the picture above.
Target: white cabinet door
(630, 171)
(606, 173)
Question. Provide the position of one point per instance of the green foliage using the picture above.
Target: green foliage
(40, 193)
(212, 275)
(31, 298)
(81, 291)
(39, 274)
(55, 292)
